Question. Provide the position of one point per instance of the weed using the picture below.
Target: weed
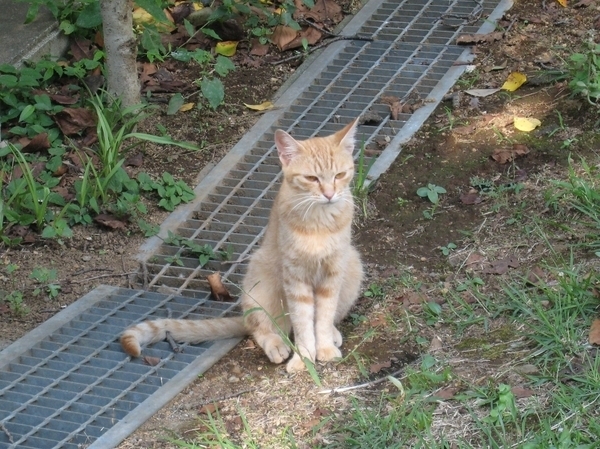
(432, 192)
(446, 250)
(15, 303)
(374, 291)
(360, 188)
(584, 71)
(170, 192)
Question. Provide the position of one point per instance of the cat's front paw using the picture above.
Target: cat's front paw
(328, 353)
(296, 364)
(276, 349)
(337, 337)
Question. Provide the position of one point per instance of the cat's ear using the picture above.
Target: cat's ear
(287, 146)
(347, 136)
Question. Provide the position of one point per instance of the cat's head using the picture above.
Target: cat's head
(321, 168)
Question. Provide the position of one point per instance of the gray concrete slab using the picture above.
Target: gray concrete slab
(23, 42)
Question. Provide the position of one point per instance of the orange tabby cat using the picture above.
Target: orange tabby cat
(305, 276)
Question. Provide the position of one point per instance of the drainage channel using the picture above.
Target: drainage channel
(67, 384)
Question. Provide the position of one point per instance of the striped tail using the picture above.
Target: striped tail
(182, 331)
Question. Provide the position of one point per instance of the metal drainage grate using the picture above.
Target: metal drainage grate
(76, 383)
(67, 384)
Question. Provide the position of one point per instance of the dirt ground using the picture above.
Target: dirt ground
(399, 246)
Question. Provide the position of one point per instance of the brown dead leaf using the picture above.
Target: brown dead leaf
(110, 221)
(376, 367)
(471, 39)
(394, 104)
(208, 409)
(250, 344)
(73, 121)
(464, 130)
(536, 276)
(470, 198)
(258, 49)
(134, 160)
(37, 144)
(447, 393)
(181, 11)
(324, 11)
(594, 337)
(152, 361)
(501, 266)
(82, 49)
(64, 99)
(522, 392)
(505, 155)
(473, 259)
(436, 344)
(217, 289)
(282, 36)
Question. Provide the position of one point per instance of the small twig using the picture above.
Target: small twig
(229, 396)
(145, 276)
(8, 434)
(88, 270)
(322, 45)
(100, 277)
(365, 385)
(174, 346)
(467, 20)
(240, 260)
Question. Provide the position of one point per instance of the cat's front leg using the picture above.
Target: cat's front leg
(328, 338)
(301, 306)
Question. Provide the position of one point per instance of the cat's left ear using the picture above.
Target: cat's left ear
(347, 136)
(287, 146)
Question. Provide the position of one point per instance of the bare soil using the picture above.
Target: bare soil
(395, 239)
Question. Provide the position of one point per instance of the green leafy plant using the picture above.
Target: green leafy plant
(374, 291)
(432, 192)
(170, 191)
(46, 278)
(446, 250)
(584, 72)
(360, 187)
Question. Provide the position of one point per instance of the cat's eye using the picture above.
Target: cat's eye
(340, 175)
(312, 178)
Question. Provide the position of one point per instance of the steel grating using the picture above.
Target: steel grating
(67, 384)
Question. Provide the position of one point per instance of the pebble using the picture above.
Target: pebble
(86, 258)
(233, 379)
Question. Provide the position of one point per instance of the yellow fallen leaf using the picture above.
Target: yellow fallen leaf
(526, 124)
(141, 18)
(514, 81)
(186, 107)
(562, 3)
(226, 48)
(265, 106)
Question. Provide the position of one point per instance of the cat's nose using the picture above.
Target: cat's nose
(328, 195)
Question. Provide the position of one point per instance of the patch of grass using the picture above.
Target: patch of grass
(360, 187)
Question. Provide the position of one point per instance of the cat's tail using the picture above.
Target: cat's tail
(182, 331)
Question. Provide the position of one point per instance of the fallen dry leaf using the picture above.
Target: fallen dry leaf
(470, 39)
(470, 198)
(562, 3)
(217, 289)
(187, 107)
(526, 124)
(394, 104)
(376, 367)
(446, 393)
(501, 266)
(73, 121)
(208, 409)
(37, 144)
(226, 48)
(504, 155)
(594, 337)
(536, 276)
(482, 92)
(258, 49)
(264, 106)
(134, 160)
(110, 221)
(474, 258)
(152, 361)
(514, 81)
(522, 392)
(435, 345)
